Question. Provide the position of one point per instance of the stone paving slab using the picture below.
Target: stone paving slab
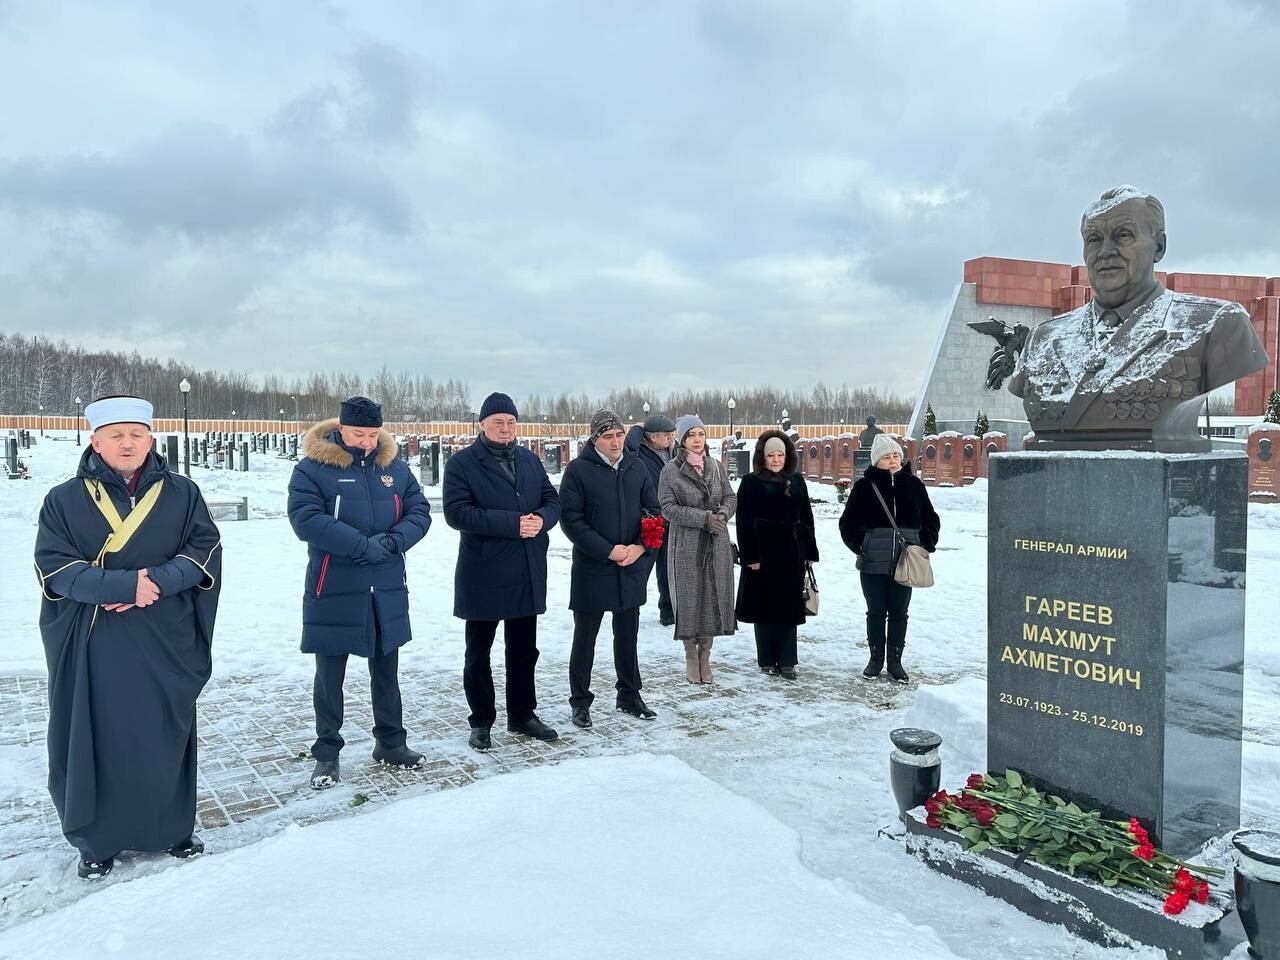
(255, 734)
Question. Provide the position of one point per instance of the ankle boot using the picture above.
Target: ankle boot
(896, 673)
(876, 663)
(692, 672)
(704, 659)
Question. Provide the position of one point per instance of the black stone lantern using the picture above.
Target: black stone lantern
(915, 769)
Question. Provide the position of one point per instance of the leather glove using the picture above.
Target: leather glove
(373, 552)
(717, 524)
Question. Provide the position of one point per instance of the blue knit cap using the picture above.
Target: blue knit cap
(497, 403)
(685, 424)
(360, 412)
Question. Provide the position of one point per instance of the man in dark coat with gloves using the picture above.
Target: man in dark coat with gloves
(603, 497)
(651, 443)
(129, 563)
(359, 509)
(497, 494)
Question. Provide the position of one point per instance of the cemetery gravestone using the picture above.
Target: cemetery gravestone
(1116, 634)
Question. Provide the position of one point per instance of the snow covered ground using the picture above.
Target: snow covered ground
(759, 839)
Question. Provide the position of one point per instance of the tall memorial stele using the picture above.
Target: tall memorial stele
(1117, 547)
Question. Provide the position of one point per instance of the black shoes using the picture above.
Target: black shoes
(94, 869)
(533, 727)
(193, 846)
(636, 708)
(582, 718)
(787, 673)
(771, 671)
(397, 756)
(325, 774)
(480, 738)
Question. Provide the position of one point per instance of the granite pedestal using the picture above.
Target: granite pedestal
(1116, 633)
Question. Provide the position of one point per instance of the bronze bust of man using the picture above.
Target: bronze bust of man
(1130, 369)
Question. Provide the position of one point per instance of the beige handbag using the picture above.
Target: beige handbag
(810, 591)
(913, 568)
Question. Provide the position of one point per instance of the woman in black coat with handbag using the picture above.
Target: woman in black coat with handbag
(775, 543)
(867, 530)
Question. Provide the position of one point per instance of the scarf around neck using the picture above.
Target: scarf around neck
(696, 460)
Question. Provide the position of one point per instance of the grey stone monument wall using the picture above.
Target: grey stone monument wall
(954, 380)
(1115, 642)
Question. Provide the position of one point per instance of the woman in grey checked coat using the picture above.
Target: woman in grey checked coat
(697, 502)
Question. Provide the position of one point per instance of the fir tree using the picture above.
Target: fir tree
(981, 425)
(1273, 408)
(930, 422)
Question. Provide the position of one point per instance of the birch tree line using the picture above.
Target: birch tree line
(40, 374)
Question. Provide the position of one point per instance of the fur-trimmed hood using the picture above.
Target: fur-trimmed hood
(317, 446)
(757, 458)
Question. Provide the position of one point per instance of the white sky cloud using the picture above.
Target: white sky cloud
(574, 195)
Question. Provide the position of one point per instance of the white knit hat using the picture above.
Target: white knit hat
(883, 444)
(109, 410)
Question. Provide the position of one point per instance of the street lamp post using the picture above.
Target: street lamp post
(732, 404)
(282, 419)
(296, 416)
(79, 414)
(40, 407)
(185, 387)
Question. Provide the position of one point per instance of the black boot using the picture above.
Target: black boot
(193, 846)
(896, 673)
(876, 663)
(94, 869)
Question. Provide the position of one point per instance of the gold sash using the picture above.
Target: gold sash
(122, 531)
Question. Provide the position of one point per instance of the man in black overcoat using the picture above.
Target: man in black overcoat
(129, 563)
(498, 495)
(603, 497)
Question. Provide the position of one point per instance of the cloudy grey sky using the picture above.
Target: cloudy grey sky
(537, 196)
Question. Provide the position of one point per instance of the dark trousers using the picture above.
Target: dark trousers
(520, 645)
(384, 684)
(666, 612)
(776, 644)
(626, 630)
(886, 600)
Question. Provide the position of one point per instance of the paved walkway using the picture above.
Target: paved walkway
(255, 734)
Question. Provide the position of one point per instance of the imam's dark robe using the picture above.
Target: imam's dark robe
(123, 685)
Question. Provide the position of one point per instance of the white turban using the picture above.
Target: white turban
(109, 410)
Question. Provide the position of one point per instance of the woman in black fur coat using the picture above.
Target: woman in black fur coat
(775, 541)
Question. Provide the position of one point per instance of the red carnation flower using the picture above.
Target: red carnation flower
(1202, 892)
(1138, 832)
(1175, 903)
(651, 532)
(1144, 851)
(1184, 882)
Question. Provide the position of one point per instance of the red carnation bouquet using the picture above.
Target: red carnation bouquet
(651, 530)
(1008, 813)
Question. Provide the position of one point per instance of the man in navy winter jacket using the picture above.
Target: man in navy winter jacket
(359, 509)
(497, 494)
